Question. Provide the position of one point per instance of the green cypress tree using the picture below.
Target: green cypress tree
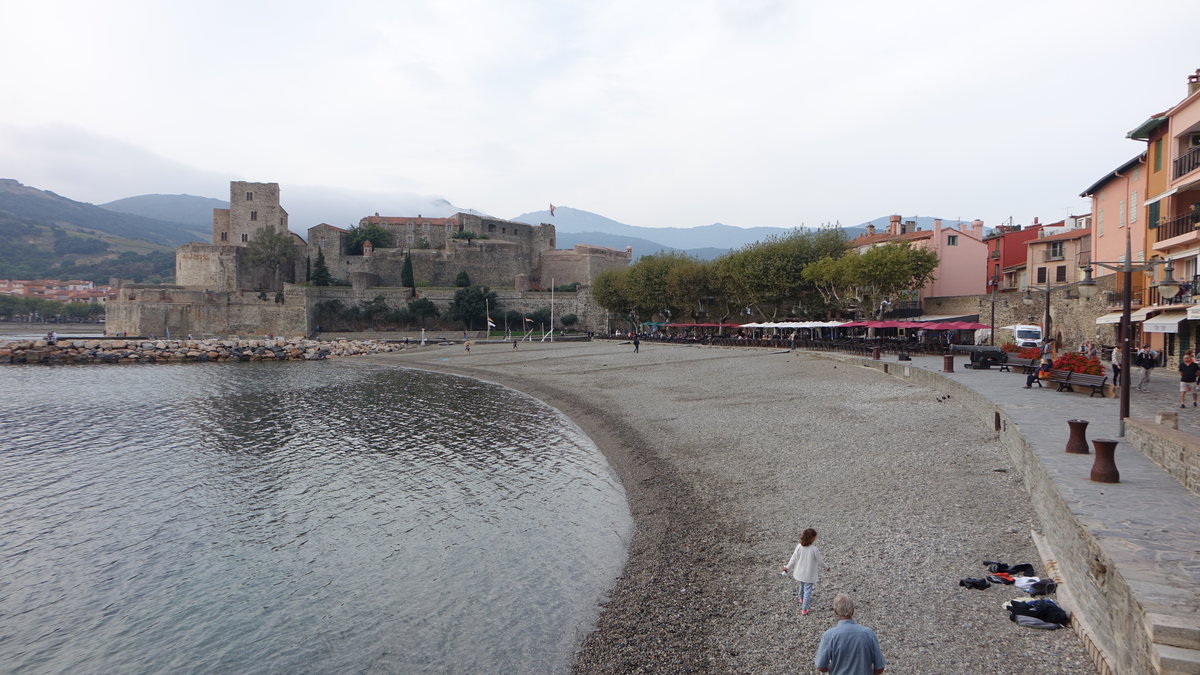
(320, 274)
(406, 273)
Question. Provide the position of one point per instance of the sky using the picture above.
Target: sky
(652, 113)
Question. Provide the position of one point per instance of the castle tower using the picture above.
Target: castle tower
(251, 206)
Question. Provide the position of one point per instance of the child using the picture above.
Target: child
(1041, 373)
(803, 566)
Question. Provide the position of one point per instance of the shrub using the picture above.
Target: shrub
(1077, 362)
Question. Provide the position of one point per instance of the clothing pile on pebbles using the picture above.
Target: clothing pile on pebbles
(726, 455)
(93, 350)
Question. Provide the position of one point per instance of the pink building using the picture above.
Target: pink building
(962, 255)
(1115, 207)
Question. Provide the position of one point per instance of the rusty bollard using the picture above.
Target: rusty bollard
(948, 363)
(1104, 469)
(1077, 443)
(875, 351)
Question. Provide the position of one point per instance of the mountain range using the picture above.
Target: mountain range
(51, 235)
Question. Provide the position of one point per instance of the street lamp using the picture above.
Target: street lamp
(1167, 287)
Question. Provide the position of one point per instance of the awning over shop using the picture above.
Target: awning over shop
(1111, 317)
(1141, 314)
(1167, 322)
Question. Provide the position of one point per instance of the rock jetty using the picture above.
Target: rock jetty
(123, 350)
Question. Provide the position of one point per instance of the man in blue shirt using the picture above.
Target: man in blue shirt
(848, 648)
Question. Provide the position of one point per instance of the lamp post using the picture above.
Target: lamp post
(1167, 286)
(992, 332)
(1028, 300)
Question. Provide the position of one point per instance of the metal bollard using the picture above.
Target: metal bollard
(948, 363)
(1077, 443)
(1104, 469)
(875, 351)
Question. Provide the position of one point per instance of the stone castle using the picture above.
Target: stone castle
(220, 291)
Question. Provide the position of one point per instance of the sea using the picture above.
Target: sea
(295, 517)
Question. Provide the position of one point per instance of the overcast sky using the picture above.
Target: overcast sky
(685, 113)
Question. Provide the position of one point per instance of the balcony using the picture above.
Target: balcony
(1187, 162)
(1177, 226)
(1052, 255)
(995, 254)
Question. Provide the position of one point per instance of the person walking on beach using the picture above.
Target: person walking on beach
(849, 648)
(467, 344)
(804, 564)
(637, 343)
(1188, 370)
(515, 343)
(1147, 360)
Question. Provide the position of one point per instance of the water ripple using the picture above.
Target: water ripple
(294, 517)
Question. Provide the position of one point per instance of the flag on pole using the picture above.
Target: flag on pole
(551, 210)
(528, 320)
(491, 324)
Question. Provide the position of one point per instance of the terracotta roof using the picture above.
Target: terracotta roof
(865, 239)
(405, 220)
(1077, 233)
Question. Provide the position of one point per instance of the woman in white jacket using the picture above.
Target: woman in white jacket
(804, 566)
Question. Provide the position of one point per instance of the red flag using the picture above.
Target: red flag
(551, 210)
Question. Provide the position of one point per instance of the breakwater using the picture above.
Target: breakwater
(124, 350)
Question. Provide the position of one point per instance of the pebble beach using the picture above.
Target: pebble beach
(727, 454)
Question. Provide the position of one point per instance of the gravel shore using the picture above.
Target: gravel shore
(726, 455)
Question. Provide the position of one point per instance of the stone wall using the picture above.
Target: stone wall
(1071, 317)
(155, 310)
(1178, 453)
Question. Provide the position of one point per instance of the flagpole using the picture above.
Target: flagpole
(552, 309)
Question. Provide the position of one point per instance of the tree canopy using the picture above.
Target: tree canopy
(271, 249)
(372, 232)
(863, 281)
(320, 272)
(470, 305)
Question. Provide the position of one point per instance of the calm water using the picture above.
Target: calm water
(295, 517)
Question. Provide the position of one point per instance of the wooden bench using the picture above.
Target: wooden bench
(1027, 366)
(1067, 381)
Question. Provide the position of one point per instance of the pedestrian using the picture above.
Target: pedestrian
(637, 343)
(849, 648)
(1116, 365)
(1147, 360)
(515, 343)
(804, 566)
(467, 344)
(1042, 373)
(1187, 378)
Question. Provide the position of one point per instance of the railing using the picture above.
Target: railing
(995, 254)
(1048, 256)
(1177, 226)
(860, 346)
(1187, 162)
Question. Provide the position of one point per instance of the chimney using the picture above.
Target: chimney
(870, 229)
(977, 228)
(1194, 82)
(1035, 222)
(909, 226)
(893, 225)
(937, 227)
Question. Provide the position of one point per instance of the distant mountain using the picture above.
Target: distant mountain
(718, 236)
(196, 211)
(47, 208)
(640, 246)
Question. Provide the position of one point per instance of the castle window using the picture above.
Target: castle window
(249, 196)
(224, 236)
(245, 237)
(491, 227)
(254, 215)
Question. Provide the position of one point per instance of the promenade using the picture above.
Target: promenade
(724, 450)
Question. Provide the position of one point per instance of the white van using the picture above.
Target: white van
(1027, 336)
